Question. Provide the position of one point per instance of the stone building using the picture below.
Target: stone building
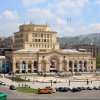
(95, 50)
(38, 51)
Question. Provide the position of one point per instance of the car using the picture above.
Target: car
(63, 89)
(79, 88)
(98, 87)
(59, 88)
(74, 89)
(89, 88)
(3, 96)
(12, 87)
(2, 83)
(46, 90)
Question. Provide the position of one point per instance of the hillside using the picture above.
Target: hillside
(93, 38)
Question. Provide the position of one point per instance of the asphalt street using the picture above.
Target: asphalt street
(85, 94)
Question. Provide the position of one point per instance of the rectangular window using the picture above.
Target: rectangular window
(38, 40)
(33, 35)
(47, 35)
(41, 35)
(35, 40)
(44, 40)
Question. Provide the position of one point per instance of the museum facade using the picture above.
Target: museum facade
(37, 50)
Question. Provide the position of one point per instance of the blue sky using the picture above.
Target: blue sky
(67, 17)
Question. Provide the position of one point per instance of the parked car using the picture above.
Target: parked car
(89, 88)
(12, 87)
(63, 89)
(74, 90)
(99, 87)
(79, 88)
(2, 83)
(96, 88)
(46, 90)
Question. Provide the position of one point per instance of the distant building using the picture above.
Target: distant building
(1, 41)
(95, 50)
(7, 42)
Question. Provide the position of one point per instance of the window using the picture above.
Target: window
(38, 40)
(35, 40)
(47, 40)
(91, 62)
(41, 35)
(47, 35)
(33, 35)
(50, 36)
(41, 40)
(44, 40)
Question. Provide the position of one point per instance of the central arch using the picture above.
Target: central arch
(54, 63)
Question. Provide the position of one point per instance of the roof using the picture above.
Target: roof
(30, 50)
(70, 50)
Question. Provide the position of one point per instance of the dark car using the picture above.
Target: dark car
(74, 90)
(59, 88)
(64, 89)
(12, 87)
(79, 88)
(96, 88)
(89, 88)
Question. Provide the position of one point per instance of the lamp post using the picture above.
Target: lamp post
(51, 82)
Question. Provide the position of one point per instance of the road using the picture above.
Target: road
(85, 94)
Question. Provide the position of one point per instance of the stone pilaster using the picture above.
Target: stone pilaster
(67, 66)
(47, 67)
(20, 68)
(26, 68)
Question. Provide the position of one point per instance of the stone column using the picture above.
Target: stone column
(39, 67)
(26, 67)
(47, 67)
(88, 66)
(14, 67)
(67, 66)
(32, 68)
(20, 68)
(60, 67)
(83, 66)
(77, 66)
(72, 66)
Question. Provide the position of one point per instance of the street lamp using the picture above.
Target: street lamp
(51, 82)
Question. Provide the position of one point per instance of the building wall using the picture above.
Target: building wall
(44, 59)
(35, 36)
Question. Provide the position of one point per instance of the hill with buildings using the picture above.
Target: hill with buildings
(93, 39)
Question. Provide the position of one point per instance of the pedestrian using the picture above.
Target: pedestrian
(87, 82)
(91, 82)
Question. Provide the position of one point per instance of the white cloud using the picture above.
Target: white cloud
(9, 15)
(41, 13)
(68, 7)
(97, 1)
(32, 2)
